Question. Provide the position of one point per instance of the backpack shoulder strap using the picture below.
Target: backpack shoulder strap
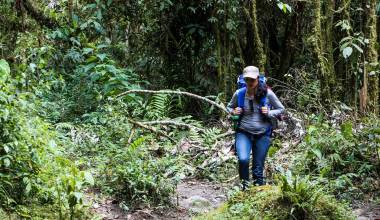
(241, 97)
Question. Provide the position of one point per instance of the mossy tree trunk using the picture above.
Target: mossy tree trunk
(317, 47)
(371, 56)
(329, 78)
(255, 48)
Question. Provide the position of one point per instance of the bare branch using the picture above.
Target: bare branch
(151, 129)
(221, 107)
(175, 123)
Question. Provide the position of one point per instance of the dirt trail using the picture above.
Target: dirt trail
(369, 212)
(192, 197)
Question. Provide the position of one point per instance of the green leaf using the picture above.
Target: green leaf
(357, 48)
(346, 129)
(91, 59)
(32, 67)
(101, 56)
(317, 153)
(4, 70)
(88, 178)
(52, 144)
(280, 5)
(6, 149)
(78, 196)
(7, 162)
(288, 8)
(98, 27)
(347, 52)
(87, 50)
(28, 184)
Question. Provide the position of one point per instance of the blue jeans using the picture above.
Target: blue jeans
(259, 144)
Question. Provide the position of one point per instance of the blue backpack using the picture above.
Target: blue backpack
(242, 89)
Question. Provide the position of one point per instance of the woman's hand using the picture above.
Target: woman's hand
(265, 110)
(237, 111)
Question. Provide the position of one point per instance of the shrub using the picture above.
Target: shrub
(341, 157)
(31, 162)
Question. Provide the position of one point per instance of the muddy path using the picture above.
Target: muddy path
(192, 197)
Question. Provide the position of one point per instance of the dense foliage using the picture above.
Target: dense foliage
(33, 168)
(345, 160)
(66, 128)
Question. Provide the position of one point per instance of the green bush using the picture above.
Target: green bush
(342, 158)
(136, 176)
(139, 172)
(31, 161)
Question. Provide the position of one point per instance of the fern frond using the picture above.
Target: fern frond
(159, 107)
(137, 143)
(194, 135)
(64, 125)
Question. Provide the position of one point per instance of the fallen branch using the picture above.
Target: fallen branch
(151, 129)
(231, 179)
(221, 107)
(131, 135)
(179, 124)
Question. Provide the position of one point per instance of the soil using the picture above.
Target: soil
(192, 197)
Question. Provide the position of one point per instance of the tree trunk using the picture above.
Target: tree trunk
(255, 47)
(318, 50)
(371, 56)
(327, 40)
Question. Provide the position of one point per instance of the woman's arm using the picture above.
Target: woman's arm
(277, 107)
(233, 103)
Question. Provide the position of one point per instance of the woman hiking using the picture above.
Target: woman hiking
(255, 105)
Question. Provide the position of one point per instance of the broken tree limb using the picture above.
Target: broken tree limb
(131, 135)
(151, 129)
(221, 107)
(175, 123)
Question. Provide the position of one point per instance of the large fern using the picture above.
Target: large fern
(159, 106)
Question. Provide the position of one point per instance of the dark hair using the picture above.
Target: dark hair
(262, 90)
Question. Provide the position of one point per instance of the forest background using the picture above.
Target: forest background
(70, 123)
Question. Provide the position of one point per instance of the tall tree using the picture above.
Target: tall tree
(372, 56)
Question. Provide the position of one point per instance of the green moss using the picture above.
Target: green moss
(297, 198)
(261, 58)
(372, 57)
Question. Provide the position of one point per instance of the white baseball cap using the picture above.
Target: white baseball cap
(251, 72)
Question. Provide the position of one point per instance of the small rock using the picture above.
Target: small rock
(96, 205)
(358, 211)
(198, 204)
(109, 201)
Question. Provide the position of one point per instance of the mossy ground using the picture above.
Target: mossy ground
(270, 202)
